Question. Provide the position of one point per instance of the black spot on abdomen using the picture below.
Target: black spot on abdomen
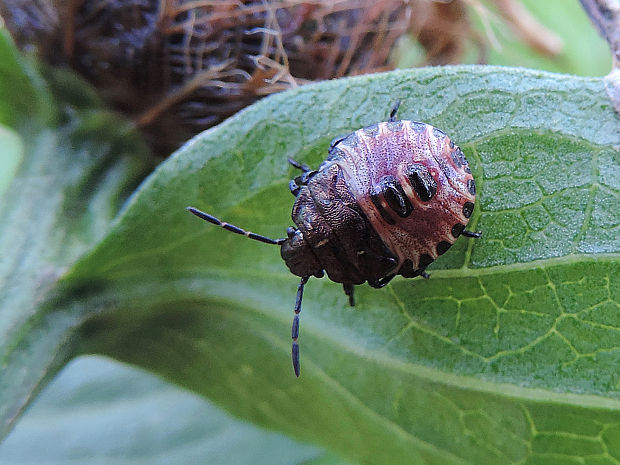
(468, 208)
(395, 196)
(425, 260)
(421, 181)
(457, 229)
(443, 247)
(471, 186)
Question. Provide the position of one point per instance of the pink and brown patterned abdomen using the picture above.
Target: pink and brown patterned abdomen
(413, 184)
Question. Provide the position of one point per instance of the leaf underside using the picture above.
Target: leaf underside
(508, 354)
(98, 412)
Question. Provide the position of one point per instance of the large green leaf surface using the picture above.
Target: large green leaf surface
(483, 363)
(100, 412)
(508, 354)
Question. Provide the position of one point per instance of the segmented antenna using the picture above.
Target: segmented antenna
(295, 328)
(234, 229)
(267, 240)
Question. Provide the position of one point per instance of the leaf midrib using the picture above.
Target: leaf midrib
(455, 381)
(425, 374)
(461, 272)
(277, 341)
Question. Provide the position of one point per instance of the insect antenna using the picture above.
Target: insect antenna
(295, 328)
(235, 229)
(300, 166)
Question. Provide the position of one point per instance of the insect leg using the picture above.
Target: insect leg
(294, 187)
(349, 289)
(235, 229)
(295, 328)
(379, 283)
(467, 233)
(394, 111)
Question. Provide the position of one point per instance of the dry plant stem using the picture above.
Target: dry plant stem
(207, 77)
(180, 66)
(69, 27)
(534, 33)
(225, 14)
(485, 17)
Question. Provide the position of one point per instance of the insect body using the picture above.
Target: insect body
(388, 200)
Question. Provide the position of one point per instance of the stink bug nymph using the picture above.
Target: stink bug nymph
(388, 200)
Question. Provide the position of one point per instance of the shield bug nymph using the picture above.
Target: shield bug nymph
(389, 199)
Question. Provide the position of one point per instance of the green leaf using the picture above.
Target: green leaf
(10, 156)
(67, 169)
(508, 354)
(100, 412)
(513, 335)
(22, 91)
